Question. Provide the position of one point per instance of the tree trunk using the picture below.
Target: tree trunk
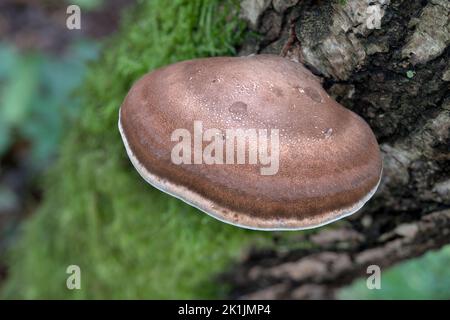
(397, 78)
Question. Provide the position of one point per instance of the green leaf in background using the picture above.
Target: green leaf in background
(37, 97)
(16, 92)
(427, 277)
(20, 90)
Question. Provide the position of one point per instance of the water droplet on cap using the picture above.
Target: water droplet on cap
(328, 132)
(238, 110)
(313, 94)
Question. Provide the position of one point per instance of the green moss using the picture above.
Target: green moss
(130, 240)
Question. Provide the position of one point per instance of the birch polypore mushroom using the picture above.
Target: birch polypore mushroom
(252, 141)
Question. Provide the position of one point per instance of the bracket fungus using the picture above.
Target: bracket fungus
(186, 125)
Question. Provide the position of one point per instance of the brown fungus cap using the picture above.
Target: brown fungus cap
(329, 161)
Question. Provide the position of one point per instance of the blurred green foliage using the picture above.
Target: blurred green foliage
(427, 277)
(36, 99)
(130, 240)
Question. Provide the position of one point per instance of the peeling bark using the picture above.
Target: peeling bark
(397, 78)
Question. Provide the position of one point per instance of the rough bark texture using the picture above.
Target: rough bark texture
(397, 78)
